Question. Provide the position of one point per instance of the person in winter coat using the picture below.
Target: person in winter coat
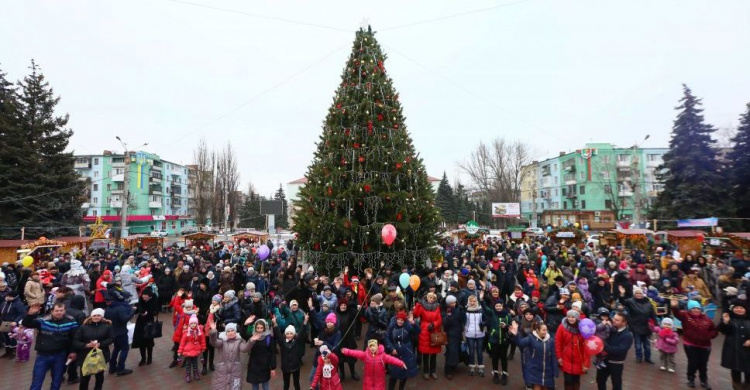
(640, 312)
(254, 306)
(428, 312)
(12, 310)
(192, 345)
(556, 306)
(33, 290)
(166, 284)
(119, 312)
(616, 348)
(540, 366)
(77, 280)
(377, 318)
(666, 343)
(498, 321)
(569, 349)
(735, 354)
(146, 311)
(261, 366)
(346, 315)
(374, 359)
(101, 288)
(326, 375)
(697, 332)
(186, 312)
(692, 279)
(130, 281)
(398, 343)
(453, 324)
(96, 332)
(328, 335)
(229, 346)
(230, 308)
(474, 333)
(291, 348)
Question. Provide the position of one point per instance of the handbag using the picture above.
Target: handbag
(438, 338)
(94, 363)
(5, 327)
(153, 329)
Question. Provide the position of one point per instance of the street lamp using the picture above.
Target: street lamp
(125, 188)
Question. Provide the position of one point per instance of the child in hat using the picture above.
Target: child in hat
(326, 375)
(374, 359)
(666, 343)
(193, 344)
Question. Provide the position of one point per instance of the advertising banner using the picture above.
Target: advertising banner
(506, 210)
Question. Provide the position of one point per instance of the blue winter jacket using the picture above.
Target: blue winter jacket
(540, 363)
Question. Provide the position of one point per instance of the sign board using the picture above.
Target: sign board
(565, 235)
(472, 227)
(506, 210)
(271, 207)
(703, 222)
(714, 242)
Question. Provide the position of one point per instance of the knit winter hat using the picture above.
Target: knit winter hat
(188, 304)
(573, 313)
(216, 298)
(230, 294)
(324, 350)
(667, 322)
(637, 290)
(401, 315)
(578, 305)
(250, 286)
(97, 312)
(377, 298)
(331, 318)
(193, 319)
(450, 299)
(536, 294)
(693, 305)
(290, 329)
(293, 302)
(576, 297)
(564, 291)
(230, 326)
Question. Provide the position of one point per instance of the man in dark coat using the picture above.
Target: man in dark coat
(616, 348)
(53, 343)
(119, 312)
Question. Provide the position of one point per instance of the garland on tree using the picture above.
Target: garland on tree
(365, 174)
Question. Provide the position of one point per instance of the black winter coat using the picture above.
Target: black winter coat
(639, 312)
(146, 312)
(734, 355)
(262, 360)
(453, 326)
(13, 310)
(291, 352)
(100, 331)
(120, 313)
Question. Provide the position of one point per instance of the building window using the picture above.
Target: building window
(106, 213)
(565, 205)
(554, 167)
(96, 174)
(96, 201)
(607, 204)
(623, 158)
(109, 199)
(605, 175)
(583, 190)
(556, 192)
(96, 161)
(605, 159)
(607, 189)
(93, 213)
(109, 187)
(583, 204)
(96, 187)
(563, 191)
(653, 157)
(555, 179)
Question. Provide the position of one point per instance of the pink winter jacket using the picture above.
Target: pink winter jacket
(667, 339)
(374, 371)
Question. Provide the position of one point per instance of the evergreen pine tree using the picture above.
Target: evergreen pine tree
(12, 158)
(282, 220)
(444, 200)
(47, 197)
(690, 171)
(250, 213)
(365, 174)
(461, 205)
(739, 173)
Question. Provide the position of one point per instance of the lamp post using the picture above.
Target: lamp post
(637, 182)
(125, 188)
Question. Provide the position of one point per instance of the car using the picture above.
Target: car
(536, 230)
(159, 233)
(593, 239)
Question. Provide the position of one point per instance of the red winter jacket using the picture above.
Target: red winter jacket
(697, 331)
(332, 383)
(182, 324)
(569, 346)
(193, 342)
(427, 318)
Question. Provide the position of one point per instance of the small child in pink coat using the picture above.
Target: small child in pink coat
(666, 343)
(327, 373)
(375, 359)
(24, 337)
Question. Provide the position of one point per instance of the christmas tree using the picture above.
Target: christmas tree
(365, 174)
(690, 172)
(739, 175)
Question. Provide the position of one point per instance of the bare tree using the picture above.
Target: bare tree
(202, 158)
(495, 169)
(226, 194)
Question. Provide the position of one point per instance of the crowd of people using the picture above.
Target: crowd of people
(477, 298)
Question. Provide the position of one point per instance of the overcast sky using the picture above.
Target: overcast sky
(555, 74)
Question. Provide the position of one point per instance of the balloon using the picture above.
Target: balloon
(255, 250)
(587, 328)
(263, 252)
(585, 227)
(549, 229)
(404, 280)
(594, 345)
(27, 261)
(576, 225)
(389, 234)
(414, 282)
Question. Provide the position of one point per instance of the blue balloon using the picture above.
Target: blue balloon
(549, 229)
(404, 280)
(585, 227)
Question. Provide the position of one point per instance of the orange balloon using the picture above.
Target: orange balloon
(414, 282)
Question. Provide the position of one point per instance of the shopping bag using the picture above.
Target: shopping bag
(94, 363)
(131, 331)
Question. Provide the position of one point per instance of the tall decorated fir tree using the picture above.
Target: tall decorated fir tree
(365, 174)
(690, 172)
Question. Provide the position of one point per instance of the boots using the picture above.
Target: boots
(10, 353)
(495, 377)
(355, 377)
(205, 369)
(342, 373)
(480, 370)
(504, 378)
(188, 377)
(196, 374)
(173, 364)
(471, 369)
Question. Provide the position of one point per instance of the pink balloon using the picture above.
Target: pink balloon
(594, 345)
(389, 234)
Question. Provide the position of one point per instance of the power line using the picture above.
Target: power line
(458, 15)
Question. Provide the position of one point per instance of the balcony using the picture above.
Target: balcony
(82, 164)
(116, 191)
(154, 205)
(117, 204)
(571, 195)
(117, 177)
(569, 167)
(154, 191)
(623, 163)
(120, 164)
(625, 193)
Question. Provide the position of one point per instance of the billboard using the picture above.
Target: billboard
(506, 210)
(271, 207)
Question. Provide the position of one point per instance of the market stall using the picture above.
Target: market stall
(9, 250)
(142, 241)
(741, 240)
(632, 238)
(687, 241)
(199, 239)
(43, 249)
(250, 237)
(74, 244)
